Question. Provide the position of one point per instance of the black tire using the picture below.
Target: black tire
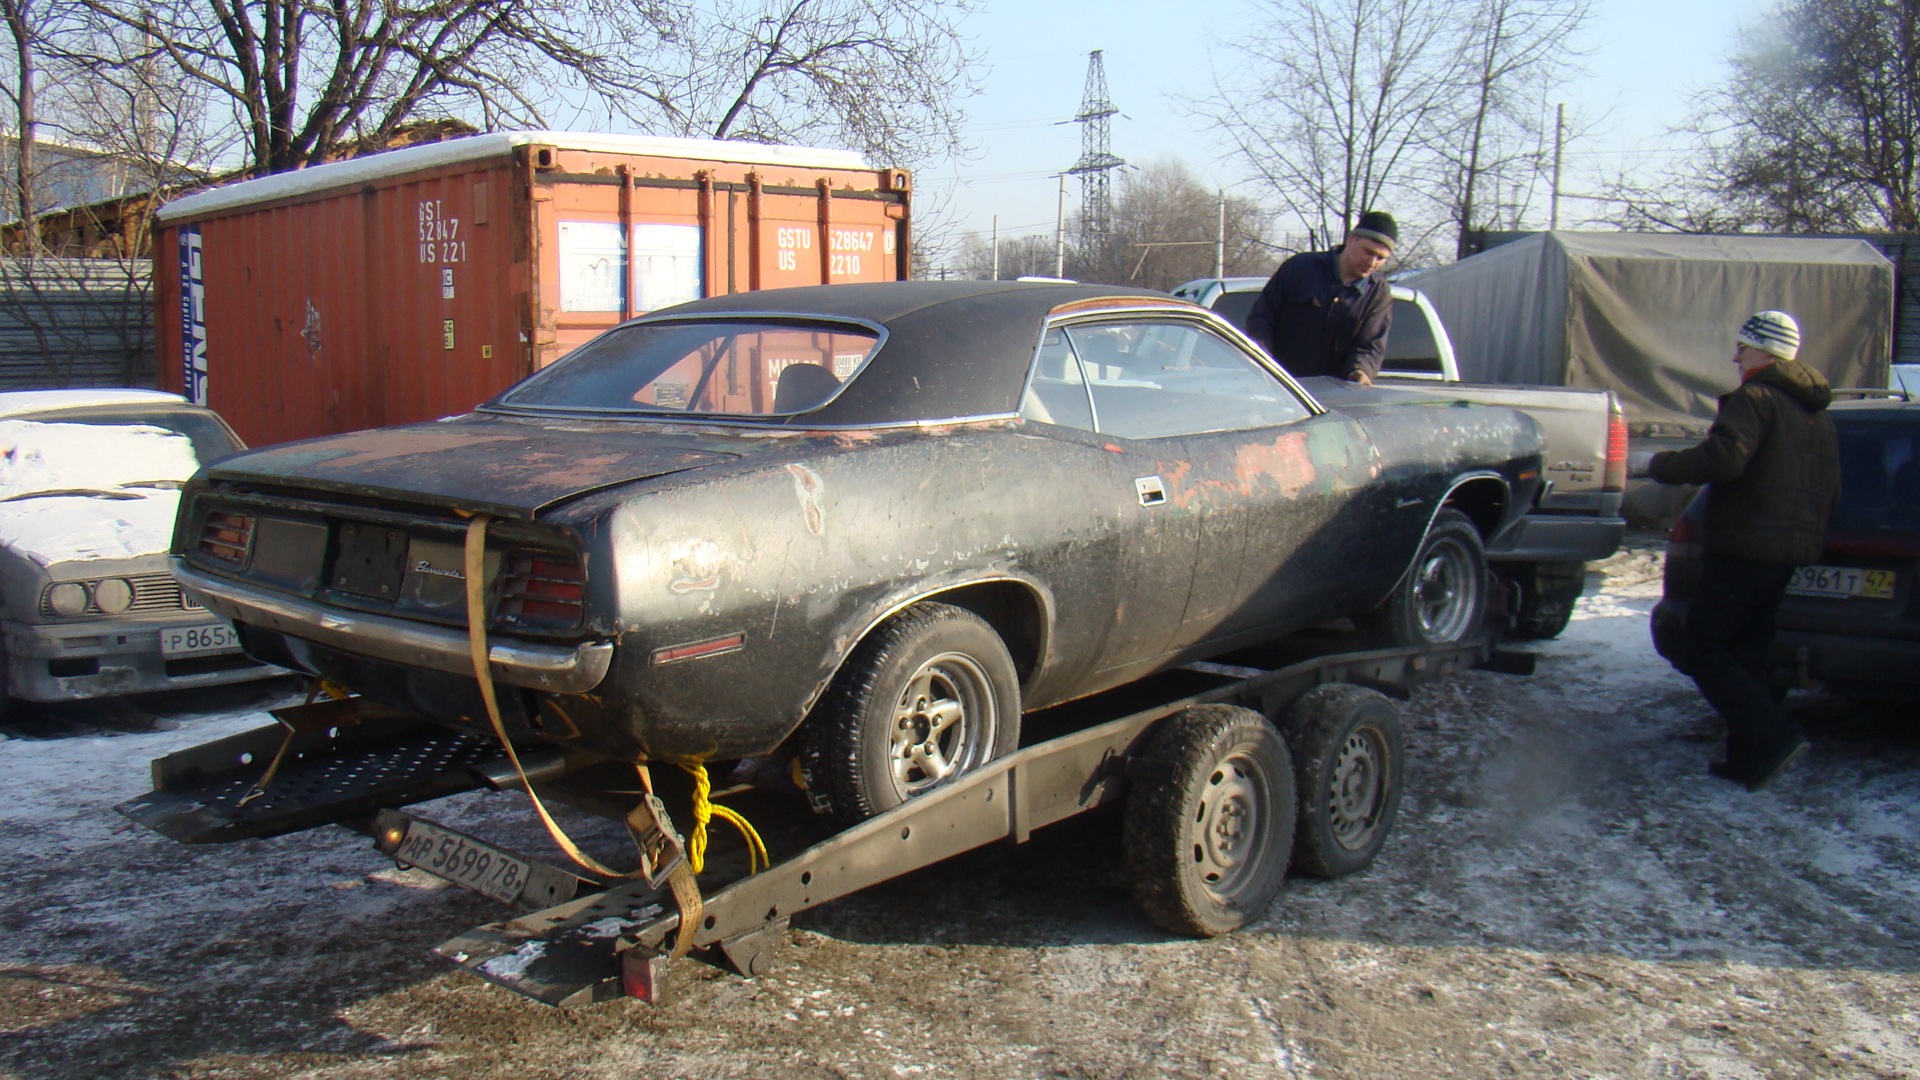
(1206, 848)
(1349, 755)
(1548, 593)
(930, 695)
(1442, 598)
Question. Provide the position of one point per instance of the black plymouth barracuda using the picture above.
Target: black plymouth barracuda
(863, 525)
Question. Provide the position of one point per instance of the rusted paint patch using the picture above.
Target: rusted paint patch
(807, 485)
(1286, 461)
(697, 566)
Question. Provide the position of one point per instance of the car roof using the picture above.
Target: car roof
(953, 349)
(27, 402)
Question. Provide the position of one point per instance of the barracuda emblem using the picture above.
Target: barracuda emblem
(425, 567)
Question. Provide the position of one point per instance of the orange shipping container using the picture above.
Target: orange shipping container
(417, 283)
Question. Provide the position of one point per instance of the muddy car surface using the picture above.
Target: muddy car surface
(867, 526)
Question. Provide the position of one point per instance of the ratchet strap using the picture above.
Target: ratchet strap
(646, 818)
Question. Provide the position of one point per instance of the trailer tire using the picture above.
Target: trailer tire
(1349, 753)
(929, 695)
(1206, 847)
(1442, 598)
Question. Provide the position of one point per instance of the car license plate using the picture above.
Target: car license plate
(463, 860)
(198, 640)
(1842, 581)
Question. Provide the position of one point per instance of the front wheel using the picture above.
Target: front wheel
(1206, 846)
(929, 696)
(1442, 599)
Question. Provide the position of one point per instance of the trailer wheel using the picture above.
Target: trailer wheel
(1443, 596)
(930, 695)
(1348, 752)
(1206, 847)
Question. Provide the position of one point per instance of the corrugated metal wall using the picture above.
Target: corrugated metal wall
(75, 322)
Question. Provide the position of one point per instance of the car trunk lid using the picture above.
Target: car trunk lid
(506, 468)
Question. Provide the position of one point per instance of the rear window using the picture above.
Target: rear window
(734, 367)
(1237, 306)
(1880, 477)
(1410, 344)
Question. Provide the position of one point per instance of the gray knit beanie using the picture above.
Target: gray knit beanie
(1772, 332)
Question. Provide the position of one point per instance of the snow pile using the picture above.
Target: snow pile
(122, 523)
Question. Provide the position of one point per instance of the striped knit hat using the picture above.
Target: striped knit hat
(1772, 332)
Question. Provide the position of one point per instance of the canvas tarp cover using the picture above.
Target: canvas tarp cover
(1652, 317)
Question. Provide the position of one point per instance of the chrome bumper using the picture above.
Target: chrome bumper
(562, 669)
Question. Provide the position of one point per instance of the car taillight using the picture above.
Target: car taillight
(225, 537)
(1615, 476)
(541, 589)
(1685, 539)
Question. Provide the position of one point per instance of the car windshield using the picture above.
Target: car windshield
(90, 454)
(1881, 464)
(207, 434)
(719, 367)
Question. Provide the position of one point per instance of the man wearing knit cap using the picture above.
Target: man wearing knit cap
(1327, 312)
(1772, 466)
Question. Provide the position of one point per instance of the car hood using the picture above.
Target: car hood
(81, 528)
(503, 467)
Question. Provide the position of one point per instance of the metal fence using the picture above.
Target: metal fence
(75, 322)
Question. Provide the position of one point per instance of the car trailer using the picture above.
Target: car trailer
(1207, 760)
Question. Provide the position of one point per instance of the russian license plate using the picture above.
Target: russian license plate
(1842, 581)
(463, 860)
(196, 640)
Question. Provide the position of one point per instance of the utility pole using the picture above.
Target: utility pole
(1096, 158)
(1060, 232)
(996, 247)
(1220, 240)
(1559, 143)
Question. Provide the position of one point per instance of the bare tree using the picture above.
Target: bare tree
(1512, 52)
(884, 77)
(1166, 227)
(1330, 103)
(1819, 126)
(1029, 255)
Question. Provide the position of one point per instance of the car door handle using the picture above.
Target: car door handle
(1151, 491)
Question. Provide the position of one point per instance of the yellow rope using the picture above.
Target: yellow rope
(705, 810)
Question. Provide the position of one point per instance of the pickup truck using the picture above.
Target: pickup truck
(1576, 518)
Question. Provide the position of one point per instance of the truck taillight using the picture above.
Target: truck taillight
(541, 589)
(225, 537)
(1615, 476)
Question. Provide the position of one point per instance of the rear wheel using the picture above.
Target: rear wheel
(1348, 751)
(1206, 848)
(929, 696)
(1548, 593)
(1442, 598)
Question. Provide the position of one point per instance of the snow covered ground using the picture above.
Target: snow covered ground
(1566, 893)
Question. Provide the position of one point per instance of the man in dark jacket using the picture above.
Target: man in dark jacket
(1772, 464)
(1327, 312)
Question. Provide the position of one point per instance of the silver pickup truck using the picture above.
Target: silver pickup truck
(1542, 560)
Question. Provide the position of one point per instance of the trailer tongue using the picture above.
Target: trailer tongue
(1210, 785)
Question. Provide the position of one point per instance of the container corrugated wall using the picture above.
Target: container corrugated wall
(423, 293)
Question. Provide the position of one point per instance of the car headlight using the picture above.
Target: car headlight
(68, 598)
(114, 595)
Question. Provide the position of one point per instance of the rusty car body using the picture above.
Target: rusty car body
(866, 525)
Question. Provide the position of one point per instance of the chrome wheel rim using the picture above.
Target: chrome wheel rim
(942, 723)
(1444, 592)
(1358, 789)
(1227, 844)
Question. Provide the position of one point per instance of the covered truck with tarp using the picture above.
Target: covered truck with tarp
(1652, 316)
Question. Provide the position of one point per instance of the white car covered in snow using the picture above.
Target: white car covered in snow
(89, 484)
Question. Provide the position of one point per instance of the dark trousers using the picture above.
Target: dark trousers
(1730, 626)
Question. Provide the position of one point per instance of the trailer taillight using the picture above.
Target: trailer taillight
(225, 537)
(1615, 477)
(541, 589)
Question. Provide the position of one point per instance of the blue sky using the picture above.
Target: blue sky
(1648, 58)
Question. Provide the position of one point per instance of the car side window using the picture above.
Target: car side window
(1151, 379)
(1056, 392)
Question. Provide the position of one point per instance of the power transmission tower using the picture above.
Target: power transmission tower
(1096, 157)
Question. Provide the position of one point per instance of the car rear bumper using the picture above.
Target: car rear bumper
(108, 658)
(1551, 538)
(562, 669)
(1879, 666)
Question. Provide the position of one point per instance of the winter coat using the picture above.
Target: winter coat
(1773, 466)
